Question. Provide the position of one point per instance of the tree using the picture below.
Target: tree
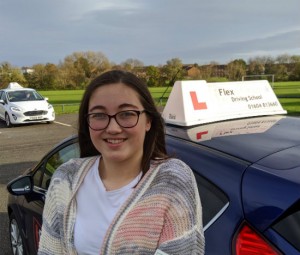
(131, 64)
(206, 72)
(284, 59)
(153, 76)
(295, 59)
(44, 77)
(236, 69)
(295, 73)
(260, 65)
(256, 68)
(79, 68)
(97, 61)
(8, 74)
(172, 71)
(281, 73)
(51, 77)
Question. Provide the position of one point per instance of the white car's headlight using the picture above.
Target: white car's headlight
(50, 106)
(15, 109)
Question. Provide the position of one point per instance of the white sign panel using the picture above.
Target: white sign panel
(197, 102)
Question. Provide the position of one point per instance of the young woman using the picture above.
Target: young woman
(124, 195)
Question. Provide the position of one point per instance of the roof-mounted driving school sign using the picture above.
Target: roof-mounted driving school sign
(198, 102)
(14, 85)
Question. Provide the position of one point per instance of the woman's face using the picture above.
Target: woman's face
(115, 142)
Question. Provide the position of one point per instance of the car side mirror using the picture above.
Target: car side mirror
(46, 98)
(20, 186)
(2, 101)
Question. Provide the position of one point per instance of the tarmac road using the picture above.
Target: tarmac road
(22, 147)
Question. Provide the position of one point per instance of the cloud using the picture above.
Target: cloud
(197, 31)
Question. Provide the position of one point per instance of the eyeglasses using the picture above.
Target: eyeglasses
(125, 119)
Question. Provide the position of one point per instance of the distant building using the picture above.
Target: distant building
(192, 71)
(27, 70)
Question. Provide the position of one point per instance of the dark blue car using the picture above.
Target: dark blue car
(247, 170)
(248, 174)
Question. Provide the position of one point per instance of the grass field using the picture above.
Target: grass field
(288, 94)
(67, 101)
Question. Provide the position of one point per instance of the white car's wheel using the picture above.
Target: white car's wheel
(16, 240)
(7, 121)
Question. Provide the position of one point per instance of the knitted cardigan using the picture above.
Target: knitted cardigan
(163, 212)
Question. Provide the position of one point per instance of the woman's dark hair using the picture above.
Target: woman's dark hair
(154, 144)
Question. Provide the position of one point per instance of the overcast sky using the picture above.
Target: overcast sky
(152, 31)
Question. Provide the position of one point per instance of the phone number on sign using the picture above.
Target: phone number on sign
(262, 105)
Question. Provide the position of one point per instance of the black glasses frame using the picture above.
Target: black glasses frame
(114, 117)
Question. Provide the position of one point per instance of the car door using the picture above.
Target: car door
(218, 178)
(34, 203)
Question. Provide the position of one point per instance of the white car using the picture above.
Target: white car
(20, 105)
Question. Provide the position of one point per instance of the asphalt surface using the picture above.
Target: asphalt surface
(22, 147)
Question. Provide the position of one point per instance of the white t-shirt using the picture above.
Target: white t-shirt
(96, 209)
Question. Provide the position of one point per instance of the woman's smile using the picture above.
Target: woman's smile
(114, 141)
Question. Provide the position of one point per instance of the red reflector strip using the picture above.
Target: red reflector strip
(248, 242)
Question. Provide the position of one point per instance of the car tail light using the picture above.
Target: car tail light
(249, 242)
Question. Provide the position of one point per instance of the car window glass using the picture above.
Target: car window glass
(55, 160)
(213, 199)
(37, 96)
(37, 176)
(2, 95)
(60, 157)
(24, 95)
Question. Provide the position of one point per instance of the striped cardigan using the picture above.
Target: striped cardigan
(163, 212)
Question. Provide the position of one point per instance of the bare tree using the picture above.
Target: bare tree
(131, 64)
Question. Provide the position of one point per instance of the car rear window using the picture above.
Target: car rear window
(289, 226)
(214, 201)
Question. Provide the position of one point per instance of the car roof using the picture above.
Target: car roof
(250, 139)
(18, 89)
